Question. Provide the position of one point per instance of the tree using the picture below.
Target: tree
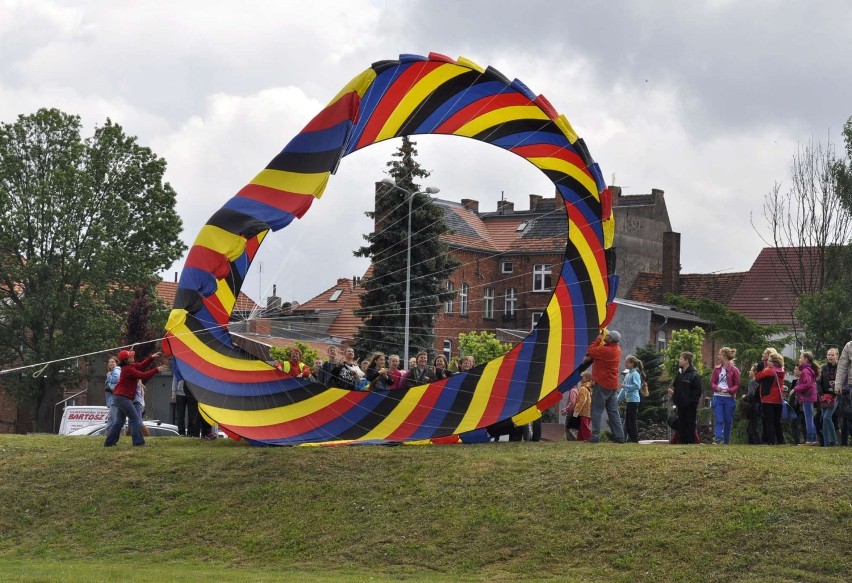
(146, 319)
(309, 355)
(684, 341)
(654, 408)
(85, 222)
(383, 299)
(482, 346)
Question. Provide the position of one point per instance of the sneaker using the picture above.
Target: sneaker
(208, 436)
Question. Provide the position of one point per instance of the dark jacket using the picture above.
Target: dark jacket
(827, 373)
(417, 377)
(379, 382)
(687, 388)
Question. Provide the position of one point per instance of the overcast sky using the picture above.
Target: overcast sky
(705, 100)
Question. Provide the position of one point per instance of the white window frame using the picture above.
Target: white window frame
(542, 275)
(463, 300)
(662, 342)
(536, 316)
(506, 267)
(448, 305)
(448, 350)
(511, 303)
(488, 303)
(335, 295)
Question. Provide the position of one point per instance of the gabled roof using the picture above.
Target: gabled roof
(347, 301)
(166, 290)
(719, 287)
(767, 294)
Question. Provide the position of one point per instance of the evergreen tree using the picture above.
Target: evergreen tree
(383, 298)
(654, 407)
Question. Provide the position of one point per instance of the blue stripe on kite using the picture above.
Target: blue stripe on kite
(475, 436)
(531, 138)
(199, 280)
(578, 306)
(613, 287)
(580, 204)
(441, 408)
(412, 58)
(343, 422)
(459, 101)
(212, 326)
(241, 389)
(371, 99)
(320, 140)
(241, 265)
(595, 171)
(521, 88)
(517, 386)
(275, 218)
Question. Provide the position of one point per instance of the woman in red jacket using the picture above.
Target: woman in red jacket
(125, 391)
(771, 379)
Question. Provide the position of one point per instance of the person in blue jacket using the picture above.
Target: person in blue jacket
(630, 392)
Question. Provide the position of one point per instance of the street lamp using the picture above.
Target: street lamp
(411, 195)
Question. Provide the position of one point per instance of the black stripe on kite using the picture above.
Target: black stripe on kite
(517, 126)
(306, 162)
(372, 419)
(237, 223)
(464, 395)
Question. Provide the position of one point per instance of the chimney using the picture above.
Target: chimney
(534, 200)
(176, 275)
(273, 302)
(671, 262)
(656, 192)
(470, 204)
(504, 207)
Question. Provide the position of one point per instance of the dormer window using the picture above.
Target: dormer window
(335, 295)
(522, 226)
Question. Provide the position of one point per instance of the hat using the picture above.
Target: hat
(625, 371)
(124, 355)
(616, 337)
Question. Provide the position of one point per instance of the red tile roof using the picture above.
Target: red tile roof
(719, 287)
(346, 323)
(767, 294)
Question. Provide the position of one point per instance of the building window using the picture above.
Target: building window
(541, 277)
(335, 295)
(448, 305)
(536, 316)
(511, 302)
(489, 302)
(448, 350)
(463, 300)
(506, 267)
(662, 343)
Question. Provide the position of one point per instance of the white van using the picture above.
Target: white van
(76, 417)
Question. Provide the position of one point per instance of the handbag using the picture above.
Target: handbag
(827, 401)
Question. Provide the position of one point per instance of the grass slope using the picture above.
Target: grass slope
(192, 510)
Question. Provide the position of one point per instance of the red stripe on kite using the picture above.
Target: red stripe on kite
(208, 260)
(478, 108)
(291, 202)
(502, 381)
(390, 100)
(345, 108)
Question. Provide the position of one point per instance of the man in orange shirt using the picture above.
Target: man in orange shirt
(605, 355)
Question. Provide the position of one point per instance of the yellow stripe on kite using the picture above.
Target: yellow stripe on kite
(571, 170)
(415, 97)
(563, 124)
(398, 415)
(608, 233)
(228, 244)
(500, 116)
(465, 62)
(575, 237)
(527, 416)
(225, 295)
(481, 396)
(283, 414)
(359, 84)
(192, 342)
(295, 182)
(553, 360)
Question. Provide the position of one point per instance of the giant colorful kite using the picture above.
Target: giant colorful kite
(413, 95)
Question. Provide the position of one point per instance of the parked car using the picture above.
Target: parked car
(155, 429)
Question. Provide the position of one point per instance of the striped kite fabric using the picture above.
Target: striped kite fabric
(413, 95)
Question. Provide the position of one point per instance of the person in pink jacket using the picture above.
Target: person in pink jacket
(724, 383)
(806, 393)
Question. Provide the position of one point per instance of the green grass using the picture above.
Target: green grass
(186, 510)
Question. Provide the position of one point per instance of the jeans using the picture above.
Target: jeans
(829, 435)
(808, 411)
(723, 415)
(124, 409)
(631, 420)
(605, 399)
(110, 402)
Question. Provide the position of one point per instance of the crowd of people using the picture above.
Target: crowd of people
(816, 405)
(378, 373)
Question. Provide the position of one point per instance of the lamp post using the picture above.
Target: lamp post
(411, 195)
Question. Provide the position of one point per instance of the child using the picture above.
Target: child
(583, 408)
(571, 422)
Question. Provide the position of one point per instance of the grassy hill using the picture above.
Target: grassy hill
(189, 510)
